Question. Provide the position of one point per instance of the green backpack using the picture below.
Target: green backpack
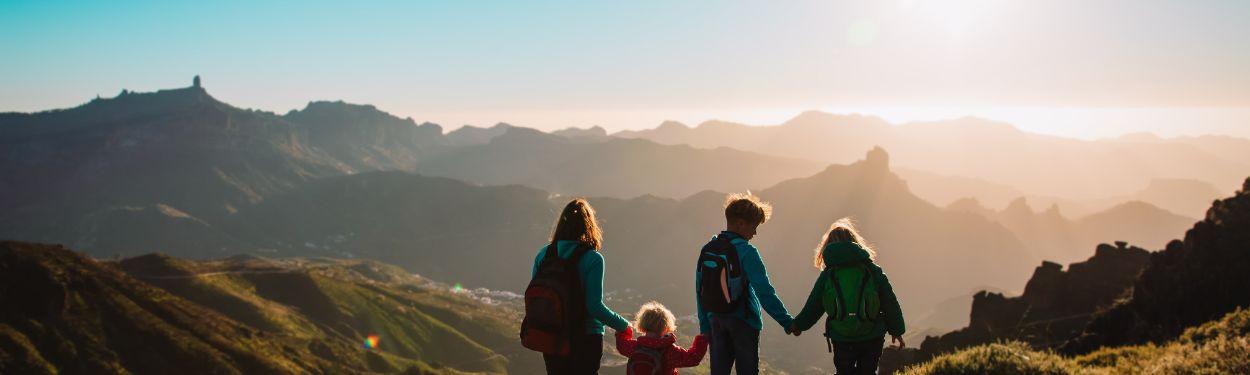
(851, 300)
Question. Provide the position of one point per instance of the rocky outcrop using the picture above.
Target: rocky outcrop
(1055, 306)
(1191, 282)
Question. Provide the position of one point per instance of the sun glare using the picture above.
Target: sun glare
(956, 17)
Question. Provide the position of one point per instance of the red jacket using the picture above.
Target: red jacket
(674, 356)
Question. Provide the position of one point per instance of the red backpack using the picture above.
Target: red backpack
(645, 361)
(555, 307)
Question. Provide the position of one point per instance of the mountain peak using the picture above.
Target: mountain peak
(1019, 205)
(877, 159)
(672, 125)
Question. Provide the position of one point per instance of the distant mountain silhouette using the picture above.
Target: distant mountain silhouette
(1052, 236)
(1186, 197)
(469, 135)
(590, 134)
(179, 148)
(616, 167)
(943, 190)
(185, 149)
(976, 148)
(73, 314)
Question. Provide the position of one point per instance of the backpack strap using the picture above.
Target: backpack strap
(837, 290)
(553, 252)
(581, 249)
(863, 285)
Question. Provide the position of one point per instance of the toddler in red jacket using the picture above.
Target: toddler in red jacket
(656, 351)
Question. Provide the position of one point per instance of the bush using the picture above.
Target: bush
(1234, 324)
(1118, 360)
(1217, 347)
(998, 358)
(1220, 355)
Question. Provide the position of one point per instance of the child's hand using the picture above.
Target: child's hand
(627, 333)
(898, 340)
(793, 330)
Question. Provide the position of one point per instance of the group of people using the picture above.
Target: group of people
(566, 315)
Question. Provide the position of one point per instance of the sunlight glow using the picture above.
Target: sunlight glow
(956, 17)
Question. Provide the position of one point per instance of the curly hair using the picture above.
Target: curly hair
(653, 317)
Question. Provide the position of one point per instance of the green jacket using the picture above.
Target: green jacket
(591, 270)
(847, 252)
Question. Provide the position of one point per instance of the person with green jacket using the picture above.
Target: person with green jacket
(858, 299)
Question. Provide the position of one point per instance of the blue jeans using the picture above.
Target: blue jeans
(734, 341)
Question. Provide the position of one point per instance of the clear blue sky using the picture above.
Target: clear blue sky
(631, 64)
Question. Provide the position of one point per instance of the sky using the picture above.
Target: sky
(1077, 68)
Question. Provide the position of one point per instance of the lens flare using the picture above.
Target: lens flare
(371, 341)
(457, 288)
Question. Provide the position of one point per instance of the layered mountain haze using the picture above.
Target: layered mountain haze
(975, 148)
(615, 167)
(345, 203)
(1051, 235)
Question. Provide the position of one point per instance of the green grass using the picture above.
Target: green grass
(336, 303)
(1217, 347)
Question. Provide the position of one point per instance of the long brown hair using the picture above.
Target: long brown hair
(842, 230)
(577, 223)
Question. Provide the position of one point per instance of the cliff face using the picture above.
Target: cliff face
(1191, 282)
(1055, 306)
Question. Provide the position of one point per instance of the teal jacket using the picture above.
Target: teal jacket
(591, 270)
(847, 252)
(760, 294)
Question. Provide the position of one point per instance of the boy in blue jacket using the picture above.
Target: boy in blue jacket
(735, 334)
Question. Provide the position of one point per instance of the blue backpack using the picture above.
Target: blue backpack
(721, 280)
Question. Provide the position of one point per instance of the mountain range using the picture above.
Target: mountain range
(1053, 236)
(987, 150)
(179, 172)
(1121, 302)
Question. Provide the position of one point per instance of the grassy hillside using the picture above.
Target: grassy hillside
(1218, 347)
(154, 313)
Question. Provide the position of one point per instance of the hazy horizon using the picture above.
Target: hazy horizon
(1077, 69)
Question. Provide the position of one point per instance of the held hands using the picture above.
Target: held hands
(793, 330)
(898, 340)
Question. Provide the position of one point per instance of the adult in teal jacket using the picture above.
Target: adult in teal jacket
(735, 336)
(576, 227)
(860, 353)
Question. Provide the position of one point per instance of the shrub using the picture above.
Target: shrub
(998, 358)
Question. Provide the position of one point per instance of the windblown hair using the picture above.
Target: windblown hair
(653, 317)
(747, 207)
(577, 223)
(842, 230)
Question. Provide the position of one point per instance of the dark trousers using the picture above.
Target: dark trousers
(853, 358)
(584, 354)
(734, 341)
